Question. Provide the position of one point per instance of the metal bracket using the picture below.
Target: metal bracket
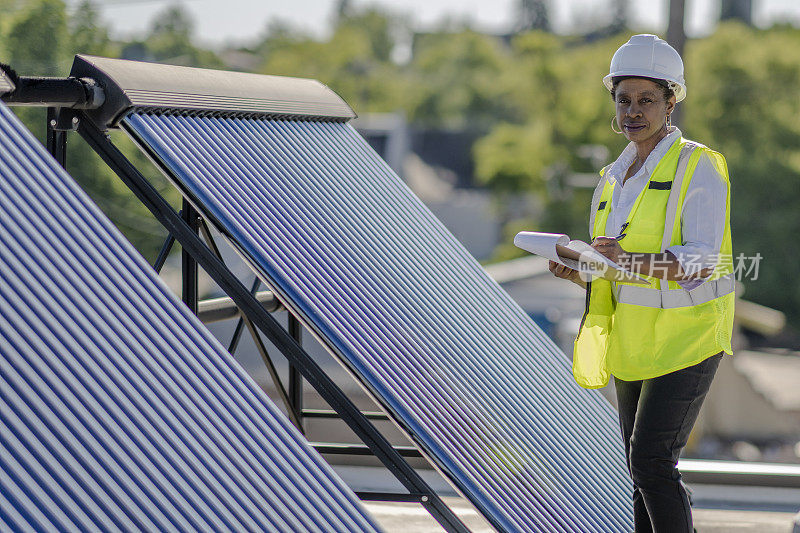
(56, 138)
(62, 119)
(392, 497)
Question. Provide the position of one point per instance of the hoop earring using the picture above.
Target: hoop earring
(613, 119)
(669, 121)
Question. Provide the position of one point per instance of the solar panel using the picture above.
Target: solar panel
(474, 382)
(118, 409)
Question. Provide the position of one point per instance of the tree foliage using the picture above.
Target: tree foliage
(87, 32)
(533, 15)
(35, 38)
(355, 60)
(460, 80)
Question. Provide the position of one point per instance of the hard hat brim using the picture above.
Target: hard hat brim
(677, 87)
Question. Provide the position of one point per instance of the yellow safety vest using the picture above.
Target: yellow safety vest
(639, 332)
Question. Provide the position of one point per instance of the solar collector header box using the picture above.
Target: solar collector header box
(152, 87)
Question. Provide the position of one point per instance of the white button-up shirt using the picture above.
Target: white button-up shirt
(703, 215)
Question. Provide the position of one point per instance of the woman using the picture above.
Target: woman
(661, 210)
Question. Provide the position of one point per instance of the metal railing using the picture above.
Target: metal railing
(740, 473)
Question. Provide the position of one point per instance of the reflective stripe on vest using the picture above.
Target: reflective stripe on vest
(669, 299)
(672, 203)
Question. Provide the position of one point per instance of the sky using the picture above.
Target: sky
(240, 21)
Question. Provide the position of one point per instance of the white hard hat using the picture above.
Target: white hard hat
(648, 56)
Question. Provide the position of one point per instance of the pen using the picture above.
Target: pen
(622, 231)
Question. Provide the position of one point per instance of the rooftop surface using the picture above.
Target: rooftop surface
(717, 508)
(409, 517)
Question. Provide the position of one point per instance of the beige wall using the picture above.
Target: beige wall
(734, 409)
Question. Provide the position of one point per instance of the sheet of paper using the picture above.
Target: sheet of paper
(575, 254)
(543, 244)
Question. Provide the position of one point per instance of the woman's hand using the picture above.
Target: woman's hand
(609, 247)
(563, 271)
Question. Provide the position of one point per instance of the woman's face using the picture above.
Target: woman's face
(641, 108)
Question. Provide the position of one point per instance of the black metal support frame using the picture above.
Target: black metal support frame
(189, 272)
(287, 342)
(56, 138)
(166, 248)
(237, 331)
(262, 350)
(295, 377)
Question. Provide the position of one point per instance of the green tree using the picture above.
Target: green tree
(37, 44)
(9, 9)
(514, 158)
(354, 61)
(35, 41)
(533, 15)
(460, 80)
(171, 33)
(171, 40)
(379, 28)
(563, 106)
(87, 32)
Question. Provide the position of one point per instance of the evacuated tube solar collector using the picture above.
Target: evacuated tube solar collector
(532, 453)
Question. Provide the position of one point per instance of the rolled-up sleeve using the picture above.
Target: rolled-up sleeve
(702, 221)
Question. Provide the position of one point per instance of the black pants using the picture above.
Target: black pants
(656, 416)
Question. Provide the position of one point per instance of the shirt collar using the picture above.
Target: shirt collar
(625, 159)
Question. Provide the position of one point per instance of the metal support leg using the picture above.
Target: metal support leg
(188, 264)
(265, 322)
(56, 139)
(240, 324)
(273, 372)
(166, 248)
(295, 378)
(262, 350)
(237, 331)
